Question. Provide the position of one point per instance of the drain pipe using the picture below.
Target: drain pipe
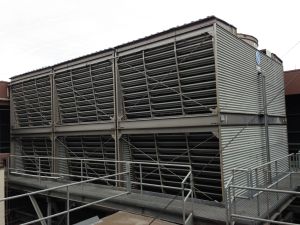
(265, 107)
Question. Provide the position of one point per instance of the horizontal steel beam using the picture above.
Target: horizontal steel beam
(93, 128)
(248, 119)
(31, 131)
(170, 125)
(77, 129)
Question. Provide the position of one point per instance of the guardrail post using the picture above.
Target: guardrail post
(81, 169)
(298, 161)
(268, 206)
(251, 182)
(128, 182)
(290, 170)
(39, 170)
(183, 203)
(276, 172)
(8, 166)
(257, 196)
(229, 204)
(192, 188)
(233, 191)
(141, 178)
(68, 206)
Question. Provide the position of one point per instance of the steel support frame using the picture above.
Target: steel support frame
(37, 209)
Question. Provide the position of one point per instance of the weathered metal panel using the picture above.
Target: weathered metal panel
(242, 147)
(279, 145)
(273, 72)
(238, 82)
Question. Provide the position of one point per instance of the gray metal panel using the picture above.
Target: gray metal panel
(278, 143)
(273, 72)
(238, 83)
(242, 148)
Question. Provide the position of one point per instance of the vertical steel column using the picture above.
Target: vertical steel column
(49, 210)
(53, 165)
(118, 168)
(68, 206)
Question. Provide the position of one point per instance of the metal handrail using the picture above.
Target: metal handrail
(99, 160)
(268, 163)
(41, 174)
(58, 187)
(288, 169)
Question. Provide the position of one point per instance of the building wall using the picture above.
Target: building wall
(292, 97)
(4, 117)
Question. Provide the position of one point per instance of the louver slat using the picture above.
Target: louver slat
(173, 79)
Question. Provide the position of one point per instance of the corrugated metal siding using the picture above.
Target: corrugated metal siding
(238, 83)
(279, 145)
(242, 148)
(275, 86)
(247, 149)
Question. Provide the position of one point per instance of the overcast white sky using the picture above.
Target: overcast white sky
(39, 33)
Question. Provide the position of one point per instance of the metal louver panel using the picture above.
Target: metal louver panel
(90, 147)
(37, 147)
(190, 149)
(32, 102)
(85, 94)
(239, 86)
(177, 78)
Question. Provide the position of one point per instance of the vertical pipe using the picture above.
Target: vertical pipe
(266, 124)
(116, 117)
